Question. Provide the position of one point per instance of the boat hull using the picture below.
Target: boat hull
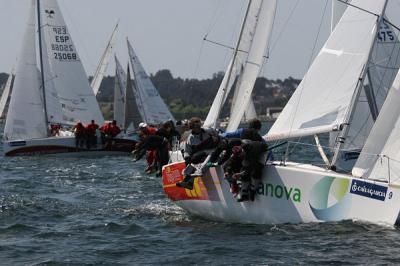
(65, 146)
(287, 194)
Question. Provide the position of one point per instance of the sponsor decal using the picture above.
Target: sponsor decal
(368, 190)
(17, 143)
(330, 199)
(279, 191)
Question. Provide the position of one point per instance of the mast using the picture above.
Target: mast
(341, 138)
(41, 62)
(233, 62)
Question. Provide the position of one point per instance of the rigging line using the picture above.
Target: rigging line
(214, 18)
(309, 64)
(229, 47)
(391, 24)
(284, 26)
(360, 8)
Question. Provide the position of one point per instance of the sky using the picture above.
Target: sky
(168, 34)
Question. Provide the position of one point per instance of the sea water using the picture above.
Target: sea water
(106, 211)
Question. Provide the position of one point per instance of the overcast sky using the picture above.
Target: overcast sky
(168, 34)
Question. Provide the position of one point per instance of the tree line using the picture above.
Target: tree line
(193, 97)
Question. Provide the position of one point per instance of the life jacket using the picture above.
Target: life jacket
(114, 130)
(79, 129)
(106, 129)
(91, 129)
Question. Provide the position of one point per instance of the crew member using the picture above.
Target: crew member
(91, 134)
(80, 134)
(252, 132)
(198, 141)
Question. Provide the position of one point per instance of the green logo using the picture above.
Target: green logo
(280, 192)
(329, 198)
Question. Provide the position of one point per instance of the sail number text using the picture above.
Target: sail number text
(62, 48)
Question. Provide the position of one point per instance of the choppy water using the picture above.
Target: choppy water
(105, 211)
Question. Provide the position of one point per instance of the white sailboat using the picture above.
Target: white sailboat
(126, 112)
(152, 107)
(5, 96)
(58, 94)
(293, 192)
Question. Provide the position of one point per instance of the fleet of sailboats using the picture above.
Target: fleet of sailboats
(350, 91)
(57, 93)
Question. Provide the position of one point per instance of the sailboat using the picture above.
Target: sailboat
(126, 112)
(151, 106)
(95, 84)
(292, 192)
(58, 93)
(5, 96)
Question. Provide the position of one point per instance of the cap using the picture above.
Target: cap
(142, 125)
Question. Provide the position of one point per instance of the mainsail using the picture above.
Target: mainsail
(151, 106)
(254, 59)
(333, 77)
(75, 95)
(25, 119)
(6, 93)
(104, 61)
(119, 94)
(254, 37)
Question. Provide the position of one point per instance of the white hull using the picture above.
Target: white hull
(65, 146)
(289, 194)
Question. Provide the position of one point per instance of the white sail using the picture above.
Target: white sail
(254, 61)
(77, 99)
(213, 113)
(103, 64)
(26, 119)
(237, 63)
(333, 77)
(338, 9)
(132, 114)
(250, 112)
(384, 140)
(6, 93)
(382, 69)
(154, 110)
(119, 94)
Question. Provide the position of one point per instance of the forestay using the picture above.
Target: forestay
(103, 65)
(25, 119)
(254, 60)
(380, 156)
(119, 94)
(77, 99)
(153, 108)
(333, 77)
(6, 93)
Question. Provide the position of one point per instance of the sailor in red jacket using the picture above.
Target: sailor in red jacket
(114, 130)
(91, 133)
